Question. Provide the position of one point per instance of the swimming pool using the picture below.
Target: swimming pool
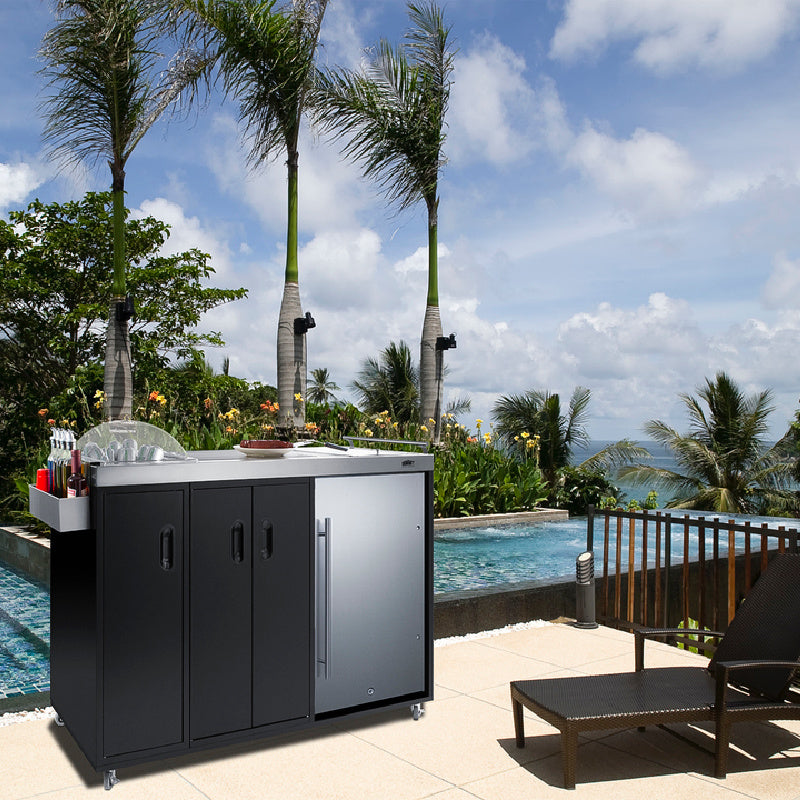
(478, 558)
(24, 635)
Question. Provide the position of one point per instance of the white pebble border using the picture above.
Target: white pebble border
(27, 716)
(519, 626)
(50, 713)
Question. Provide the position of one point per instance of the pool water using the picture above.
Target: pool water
(24, 635)
(477, 558)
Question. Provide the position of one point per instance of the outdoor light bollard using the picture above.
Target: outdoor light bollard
(584, 591)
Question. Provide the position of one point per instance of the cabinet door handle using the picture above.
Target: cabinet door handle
(268, 529)
(237, 542)
(165, 547)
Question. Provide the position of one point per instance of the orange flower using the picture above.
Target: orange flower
(43, 412)
(207, 403)
(153, 396)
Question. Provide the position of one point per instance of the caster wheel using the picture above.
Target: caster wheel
(417, 711)
(59, 721)
(110, 779)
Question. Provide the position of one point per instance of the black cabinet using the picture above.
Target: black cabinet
(188, 614)
(249, 607)
(142, 611)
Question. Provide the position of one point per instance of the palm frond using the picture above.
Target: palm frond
(615, 455)
(103, 90)
(391, 114)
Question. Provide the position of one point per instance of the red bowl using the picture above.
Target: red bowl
(265, 444)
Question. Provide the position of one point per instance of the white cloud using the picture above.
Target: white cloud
(490, 104)
(17, 181)
(673, 34)
(621, 344)
(782, 289)
(186, 233)
(340, 268)
(418, 260)
(330, 190)
(648, 175)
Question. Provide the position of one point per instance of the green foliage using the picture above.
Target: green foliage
(724, 462)
(576, 488)
(55, 289)
(473, 477)
(390, 383)
(539, 413)
(693, 625)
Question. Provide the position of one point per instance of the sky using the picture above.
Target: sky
(620, 208)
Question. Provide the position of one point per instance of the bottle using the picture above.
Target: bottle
(63, 464)
(51, 465)
(76, 483)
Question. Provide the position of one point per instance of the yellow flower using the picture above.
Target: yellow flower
(531, 444)
(162, 399)
(479, 422)
(298, 397)
(367, 432)
(395, 424)
(487, 437)
(525, 435)
(423, 428)
(431, 420)
(516, 438)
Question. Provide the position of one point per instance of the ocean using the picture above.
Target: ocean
(662, 458)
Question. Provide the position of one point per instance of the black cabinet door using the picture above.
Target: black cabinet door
(281, 603)
(220, 618)
(142, 606)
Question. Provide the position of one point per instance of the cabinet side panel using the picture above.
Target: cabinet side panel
(73, 635)
(281, 603)
(220, 611)
(142, 621)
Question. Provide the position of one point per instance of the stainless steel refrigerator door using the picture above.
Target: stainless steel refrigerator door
(370, 589)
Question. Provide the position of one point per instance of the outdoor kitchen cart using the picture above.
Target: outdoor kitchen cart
(224, 597)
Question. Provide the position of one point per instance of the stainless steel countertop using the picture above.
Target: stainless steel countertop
(231, 465)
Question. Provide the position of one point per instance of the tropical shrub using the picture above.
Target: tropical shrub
(473, 477)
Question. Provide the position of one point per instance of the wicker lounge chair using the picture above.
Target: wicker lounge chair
(749, 678)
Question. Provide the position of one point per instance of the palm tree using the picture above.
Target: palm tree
(107, 89)
(539, 413)
(322, 389)
(265, 57)
(390, 383)
(726, 465)
(392, 116)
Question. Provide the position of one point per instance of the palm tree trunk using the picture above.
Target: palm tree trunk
(291, 346)
(430, 361)
(291, 361)
(117, 378)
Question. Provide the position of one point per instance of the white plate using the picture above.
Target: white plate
(263, 452)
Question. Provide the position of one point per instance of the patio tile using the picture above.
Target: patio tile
(36, 759)
(334, 765)
(471, 666)
(543, 780)
(563, 646)
(456, 740)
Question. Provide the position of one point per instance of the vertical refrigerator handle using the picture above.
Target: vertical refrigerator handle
(324, 597)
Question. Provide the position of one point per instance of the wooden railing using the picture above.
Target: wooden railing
(653, 572)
